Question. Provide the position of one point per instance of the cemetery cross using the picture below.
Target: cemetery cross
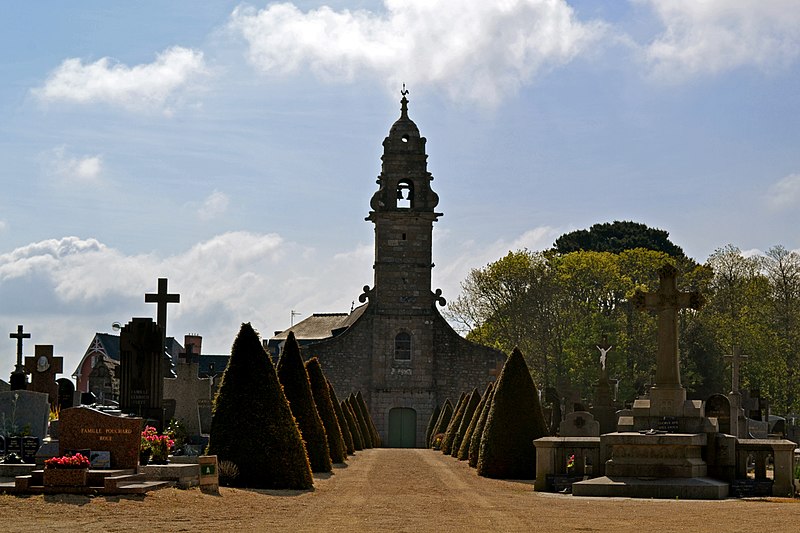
(736, 360)
(18, 378)
(162, 298)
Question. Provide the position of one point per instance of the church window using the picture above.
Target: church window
(405, 195)
(402, 346)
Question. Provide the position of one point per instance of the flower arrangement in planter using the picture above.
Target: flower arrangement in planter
(154, 448)
(67, 470)
(571, 465)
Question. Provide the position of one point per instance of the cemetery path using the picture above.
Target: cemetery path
(391, 490)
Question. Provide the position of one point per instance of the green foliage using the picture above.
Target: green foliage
(514, 422)
(617, 237)
(322, 399)
(477, 434)
(469, 411)
(344, 426)
(373, 431)
(455, 422)
(443, 421)
(252, 425)
(466, 441)
(352, 424)
(294, 378)
(432, 423)
(366, 434)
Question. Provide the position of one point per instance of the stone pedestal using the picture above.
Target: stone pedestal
(675, 455)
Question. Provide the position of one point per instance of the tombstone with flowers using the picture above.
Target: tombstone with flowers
(66, 471)
(154, 448)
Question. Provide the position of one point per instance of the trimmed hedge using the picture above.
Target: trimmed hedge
(475, 442)
(373, 431)
(431, 423)
(252, 424)
(515, 421)
(466, 441)
(352, 423)
(347, 436)
(322, 399)
(442, 422)
(452, 428)
(366, 434)
(469, 411)
(294, 378)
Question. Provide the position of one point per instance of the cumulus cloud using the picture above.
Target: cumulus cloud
(784, 193)
(215, 205)
(480, 51)
(82, 169)
(713, 36)
(146, 86)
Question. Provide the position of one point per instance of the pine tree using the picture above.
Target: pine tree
(477, 434)
(252, 425)
(514, 422)
(294, 378)
(347, 436)
(466, 442)
(322, 399)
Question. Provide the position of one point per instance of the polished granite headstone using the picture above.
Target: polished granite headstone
(84, 428)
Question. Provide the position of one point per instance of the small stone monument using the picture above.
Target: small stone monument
(579, 424)
(84, 428)
(43, 367)
(24, 411)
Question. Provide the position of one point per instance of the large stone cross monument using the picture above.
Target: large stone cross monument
(19, 379)
(162, 298)
(667, 396)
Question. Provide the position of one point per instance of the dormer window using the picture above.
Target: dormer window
(405, 195)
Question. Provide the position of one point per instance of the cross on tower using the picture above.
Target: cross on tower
(162, 298)
(18, 378)
(666, 302)
(735, 358)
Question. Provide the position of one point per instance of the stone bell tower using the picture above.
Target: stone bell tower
(403, 211)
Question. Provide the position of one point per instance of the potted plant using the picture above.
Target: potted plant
(154, 448)
(66, 470)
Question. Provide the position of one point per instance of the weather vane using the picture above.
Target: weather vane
(404, 91)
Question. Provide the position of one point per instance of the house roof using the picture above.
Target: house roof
(320, 326)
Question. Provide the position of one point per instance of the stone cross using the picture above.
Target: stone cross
(43, 367)
(162, 298)
(18, 379)
(735, 358)
(666, 302)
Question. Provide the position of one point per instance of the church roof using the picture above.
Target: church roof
(321, 326)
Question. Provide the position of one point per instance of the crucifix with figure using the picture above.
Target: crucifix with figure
(19, 379)
(162, 298)
(666, 303)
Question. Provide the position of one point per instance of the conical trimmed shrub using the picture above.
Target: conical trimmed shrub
(432, 423)
(442, 423)
(466, 420)
(475, 442)
(449, 435)
(347, 436)
(366, 435)
(373, 431)
(514, 422)
(252, 425)
(294, 378)
(466, 441)
(352, 423)
(322, 399)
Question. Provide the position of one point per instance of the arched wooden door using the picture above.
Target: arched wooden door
(402, 427)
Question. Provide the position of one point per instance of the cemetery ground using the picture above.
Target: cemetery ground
(392, 490)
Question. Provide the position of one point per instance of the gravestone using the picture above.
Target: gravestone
(719, 406)
(579, 424)
(141, 371)
(188, 391)
(30, 445)
(14, 445)
(84, 428)
(24, 411)
(19, 379)
(66, 393)
(43, 367)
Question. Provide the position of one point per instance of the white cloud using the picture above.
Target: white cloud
(713, 36)
(144, 86)
(784, 193)
(480, 51)
(215, 205)
(83, 169)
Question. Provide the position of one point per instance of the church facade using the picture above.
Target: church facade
(397, 349)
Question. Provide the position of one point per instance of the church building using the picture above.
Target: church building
(397, 349)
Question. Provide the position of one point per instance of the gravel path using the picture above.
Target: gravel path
(392, 490)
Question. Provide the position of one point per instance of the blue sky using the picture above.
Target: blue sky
(233, 148)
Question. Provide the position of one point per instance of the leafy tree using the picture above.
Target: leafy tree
(252, 425)
(322, 399)
(514, 422)
(344, 426)
(294, 378)
(616, 237)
